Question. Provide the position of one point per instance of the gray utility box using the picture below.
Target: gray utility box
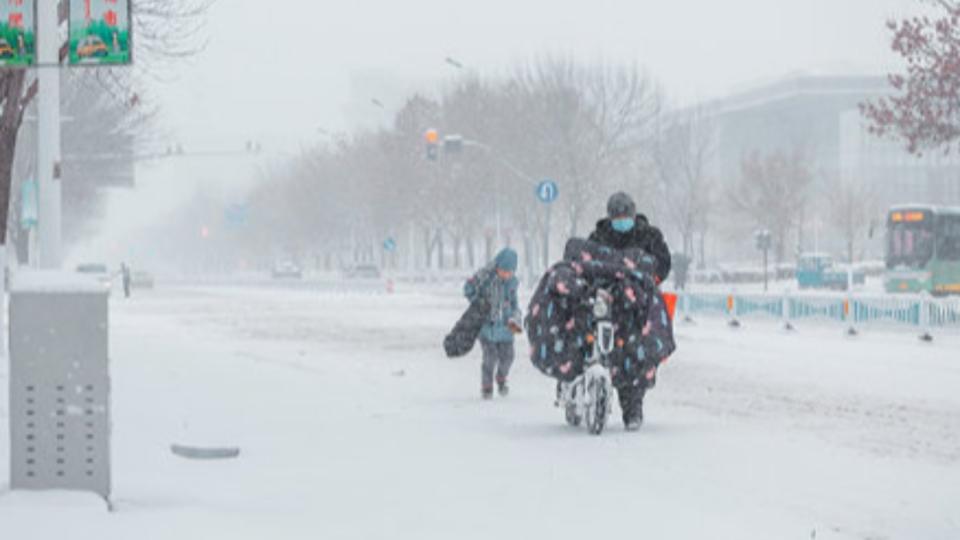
(59, 383)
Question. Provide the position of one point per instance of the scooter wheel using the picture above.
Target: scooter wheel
(597, 412)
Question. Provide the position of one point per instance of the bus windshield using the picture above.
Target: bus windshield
(910, 244)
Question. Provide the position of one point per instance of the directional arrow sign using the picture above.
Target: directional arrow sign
(547, 191)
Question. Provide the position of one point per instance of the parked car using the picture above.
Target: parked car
(286, 270)
(98, 271)
(362, 271)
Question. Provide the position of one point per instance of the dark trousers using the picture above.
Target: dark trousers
(631, 399)
(497, 359)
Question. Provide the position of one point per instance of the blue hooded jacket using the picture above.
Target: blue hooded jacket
(500, 293)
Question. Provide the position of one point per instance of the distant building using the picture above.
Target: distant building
(898, 176)
(820, 114)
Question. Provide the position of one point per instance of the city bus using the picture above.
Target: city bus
(923, 249)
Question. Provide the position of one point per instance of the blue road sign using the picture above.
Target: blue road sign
(547, 191)
(390, 245)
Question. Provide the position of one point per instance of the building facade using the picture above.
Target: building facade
(820, 117)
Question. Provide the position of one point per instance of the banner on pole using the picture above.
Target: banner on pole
(18, 33)
(100, 32)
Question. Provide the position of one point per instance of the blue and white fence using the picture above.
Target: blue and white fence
(903, 311)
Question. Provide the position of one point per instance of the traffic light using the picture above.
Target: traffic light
(433, 139)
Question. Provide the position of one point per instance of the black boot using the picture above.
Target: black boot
(631, 403)
(502, 388)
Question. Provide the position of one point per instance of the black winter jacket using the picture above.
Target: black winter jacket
(643, 236)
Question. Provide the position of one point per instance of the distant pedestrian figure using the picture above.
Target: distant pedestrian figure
(125, 275)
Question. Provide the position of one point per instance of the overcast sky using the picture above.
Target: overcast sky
(280, 72)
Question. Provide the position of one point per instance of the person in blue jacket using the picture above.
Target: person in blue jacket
(497, 284)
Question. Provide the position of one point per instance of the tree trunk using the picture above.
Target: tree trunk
(703, 250)
(428, 246)
(440, 254)
(457, 243)
(800, 221)
(534, 253)
(471, 256)
(9, 128)
(528, 257)
(781, 242)
(574, 220)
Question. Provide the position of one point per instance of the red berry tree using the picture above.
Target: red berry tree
(926, 110)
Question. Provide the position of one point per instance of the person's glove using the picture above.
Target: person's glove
(649, 374)
(514, 325)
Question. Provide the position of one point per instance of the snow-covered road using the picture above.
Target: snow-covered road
(353, 424)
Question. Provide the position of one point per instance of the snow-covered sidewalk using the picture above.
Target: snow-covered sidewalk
(352, 424)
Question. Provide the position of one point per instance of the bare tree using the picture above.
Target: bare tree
(587, 126)
(591, 121)
(772, 191)
(166, 30)
(851, 208)
(684, 150)
(926, 113)
(422, 178)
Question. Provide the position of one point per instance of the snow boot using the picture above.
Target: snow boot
(634, 422)
(486, 392)
(502, 388)
(631, 403)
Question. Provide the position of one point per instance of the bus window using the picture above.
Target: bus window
(909, 244)
(948, 238)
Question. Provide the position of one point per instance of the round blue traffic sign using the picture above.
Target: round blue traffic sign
(547, 191)
(390, 245)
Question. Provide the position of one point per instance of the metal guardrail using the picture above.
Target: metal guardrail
(905, 311)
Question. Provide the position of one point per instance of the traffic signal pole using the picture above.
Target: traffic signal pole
(498, 187)
(49, 241)
(454, 144)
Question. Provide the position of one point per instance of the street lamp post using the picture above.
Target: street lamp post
(48, 136)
